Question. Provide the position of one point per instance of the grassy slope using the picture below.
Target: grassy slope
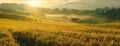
(110, 25)
(48, 25)
(44, 32)
(13, 16)
(60, 33)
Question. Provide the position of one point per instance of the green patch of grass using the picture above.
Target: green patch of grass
(13, 16)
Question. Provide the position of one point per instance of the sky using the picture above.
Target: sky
(48, 3)
(41, 2)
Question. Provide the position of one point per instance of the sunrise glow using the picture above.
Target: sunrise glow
(33, 3)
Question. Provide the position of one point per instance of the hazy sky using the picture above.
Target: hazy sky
(47, 3)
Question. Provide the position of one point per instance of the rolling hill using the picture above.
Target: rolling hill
(52, 33)
(45, 32)
(89, 5)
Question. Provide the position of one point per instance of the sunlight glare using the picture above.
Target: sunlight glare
(33, 3)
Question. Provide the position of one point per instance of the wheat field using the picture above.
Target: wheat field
(30, 33)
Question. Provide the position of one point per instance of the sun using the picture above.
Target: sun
(33, 3)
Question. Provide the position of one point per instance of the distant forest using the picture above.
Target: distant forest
(110, 13)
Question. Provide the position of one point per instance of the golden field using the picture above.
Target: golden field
(51, 33)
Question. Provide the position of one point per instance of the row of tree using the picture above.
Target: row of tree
(110, 13)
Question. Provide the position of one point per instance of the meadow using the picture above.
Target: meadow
(30, 33)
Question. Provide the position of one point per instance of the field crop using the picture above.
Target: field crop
(22, 33)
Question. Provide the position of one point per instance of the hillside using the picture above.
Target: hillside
(6, 15)
(93, 4)
(45, 32)
(56, 33)
(53, 27)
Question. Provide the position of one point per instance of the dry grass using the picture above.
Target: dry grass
(28, 33)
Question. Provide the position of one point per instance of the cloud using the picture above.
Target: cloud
(58, 2)
(45, 2)
(48, 1)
